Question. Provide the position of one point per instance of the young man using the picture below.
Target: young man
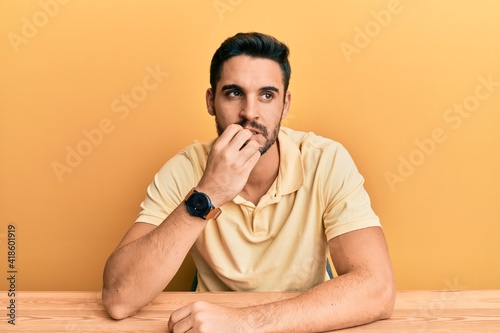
(258, 208)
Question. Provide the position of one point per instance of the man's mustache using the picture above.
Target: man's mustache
(254, 125)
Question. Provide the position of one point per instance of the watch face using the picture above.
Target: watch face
(198, 204)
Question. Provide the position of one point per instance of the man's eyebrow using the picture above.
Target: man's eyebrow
(237, 87)
(272, 88)
(231, 86)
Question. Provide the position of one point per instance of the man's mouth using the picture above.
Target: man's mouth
(254, 132)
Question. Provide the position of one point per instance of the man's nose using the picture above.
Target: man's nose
(249, 109)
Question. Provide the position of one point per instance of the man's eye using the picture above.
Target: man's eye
(268, 96)
(233, 93)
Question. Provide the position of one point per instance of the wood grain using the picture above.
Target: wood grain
(415, 311)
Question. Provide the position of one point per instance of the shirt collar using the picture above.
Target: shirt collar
(291, 171)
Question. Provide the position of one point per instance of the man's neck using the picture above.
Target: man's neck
(263, 175)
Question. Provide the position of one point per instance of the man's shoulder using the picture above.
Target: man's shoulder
(309, 140)
(192, 156)
(196, 150)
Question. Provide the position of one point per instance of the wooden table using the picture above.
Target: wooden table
(415, 311)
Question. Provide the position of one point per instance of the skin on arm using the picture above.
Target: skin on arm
(146, 260)
(363, 292)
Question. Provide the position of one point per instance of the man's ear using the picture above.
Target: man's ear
(286, 105)
(209, 98)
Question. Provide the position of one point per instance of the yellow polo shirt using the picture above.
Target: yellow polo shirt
(280, 244)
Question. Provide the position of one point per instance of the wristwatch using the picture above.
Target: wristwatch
(198, 204)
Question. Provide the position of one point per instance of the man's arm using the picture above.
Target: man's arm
(146, 260)
(148, 257)
(363, 292)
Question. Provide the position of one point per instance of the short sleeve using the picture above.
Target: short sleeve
(167, 190)
(347, 204)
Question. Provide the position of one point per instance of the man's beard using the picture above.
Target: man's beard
(270, 140)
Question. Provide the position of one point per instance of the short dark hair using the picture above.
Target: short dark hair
(253, 44)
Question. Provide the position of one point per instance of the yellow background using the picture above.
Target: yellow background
(397, 84)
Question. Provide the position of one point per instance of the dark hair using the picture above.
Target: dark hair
(255, 45)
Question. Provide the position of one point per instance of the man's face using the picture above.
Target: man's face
(251, 93)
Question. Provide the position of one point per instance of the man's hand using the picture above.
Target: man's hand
(231, 160)
(205, 317)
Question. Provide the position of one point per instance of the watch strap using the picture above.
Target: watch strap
(213, 214)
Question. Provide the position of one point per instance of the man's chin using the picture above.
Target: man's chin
(263, 149)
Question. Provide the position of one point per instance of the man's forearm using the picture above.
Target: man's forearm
(345, 301)
(138, 271)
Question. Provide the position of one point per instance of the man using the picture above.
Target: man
(259, 209)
